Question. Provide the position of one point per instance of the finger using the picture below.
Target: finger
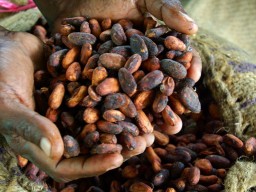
(172, 13)
(195, 70)
(29, 125)
(79, 167)
(140, 148)
(149, 138)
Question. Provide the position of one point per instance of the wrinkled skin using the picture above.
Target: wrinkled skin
(34, 136)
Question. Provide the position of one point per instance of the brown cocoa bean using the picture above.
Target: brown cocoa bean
(133, 63)
(67, 120)
(108, 127)
(161, 177)
(197, 147)
(139, 46)
(91, 115)
(130, 172)
(54, 62)
(113, 115)
(161, 138)
(190, 100)
(95, 27)
(73, 72)
(67, 42)
(77, 96)
(215, 187)
(230, 152)
(112, 61)
(91, 139)
(125, 23)
(80, 38)
(76, 21)
(167, 86)
(204, 165)
(151, 64)
(114, 101)
(98, 75)
(105, 47)
(250, 146)
(143, 122)
(169, 116)
(218, 161)
(143, 99)
(108, 138)
(52, 114)
(72, 86)
(56, 97)
(88, 128)
(193, 175)
(160, 102)
(176, 170)
(129, 127)
(150, 81)
(106, 23)
(130, 32)
(212, 139)
(91, 64)
(117, 34)
(208, 179)
(66, 29)
(92, 93)
(179, 184)
(127, 81)
(233, 141)
(124, 50)
(127, 141)
(156, 32)
(153, 159)
(221, 173)
(176, 105)
(86, 53)
(151, 45)
(108, 86)
(129, 110)
(88, 102)
(160, 152)
(170, 54)
(105, 36)
(197, 187)
(138, 75)
(106, 148)
(140, 187)
(173, 68)
(71, 147)
(85, 27)
(149, 23)
(70, 57)
(174, 43)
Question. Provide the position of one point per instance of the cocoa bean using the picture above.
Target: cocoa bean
(159, 103)
(233, 141)
(130, 172)
(133, 63)
(113, 115)
(127, 141)
(139, 46)
(108, 127)
(86, 53)
(108, 138)
(105, 47)
(106, 148)
(143, 122)
(125, 51)
(140, 187)
(95, 27)
(112, 61)
(114, 101)
(77, 96)
(70, 57)
(85, 27)
(108, 86)
(92, 93)
(129, 127)
(190, 100)
(76, 21)
(73, 72)
(156, 32)
(88, 102)
(80, 38)
(56, 97)
(127, 81)
(208, 179)
(117, 34)
(204, 165)
(125, 23)
(174, 43)
(218, 161)
(173, 68)
(129, 110)
(71, 147)
(105, 36)
(193, 175)
(66, 29)
(91, 115)
(52, 114)
(98, 75)
(161, 177)
(131, 32)
(91, 139)
(150, 81)
(250, 146)
(152, 47)
(106, 23)
(161, 138)
(54, 62)
(151, 64)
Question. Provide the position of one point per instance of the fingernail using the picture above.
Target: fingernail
(187, 17)
(45, 145)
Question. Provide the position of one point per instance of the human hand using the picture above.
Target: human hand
(28, 133)
(170, 11)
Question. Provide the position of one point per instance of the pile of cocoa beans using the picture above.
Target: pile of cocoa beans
(107, 83)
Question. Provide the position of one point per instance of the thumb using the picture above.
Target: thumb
(172, 13)
(27, 126)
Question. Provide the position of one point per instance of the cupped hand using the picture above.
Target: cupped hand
(28, 133)
(170, 11)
